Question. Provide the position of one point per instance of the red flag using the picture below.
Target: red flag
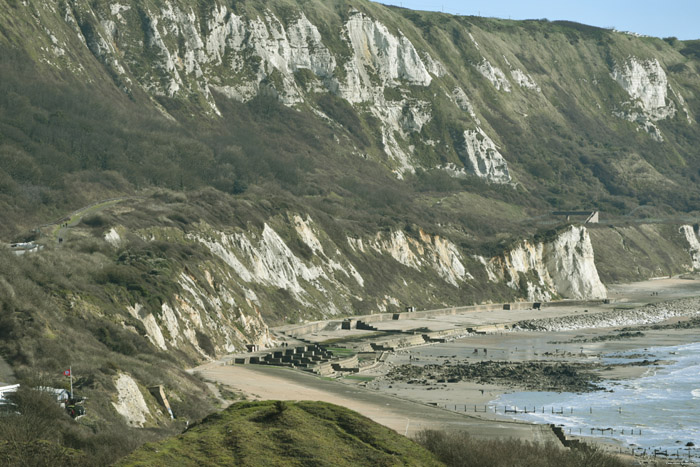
(66, 373)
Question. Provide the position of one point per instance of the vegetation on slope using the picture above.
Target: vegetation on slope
(54, 316)
(70, 136)
(284, 434)
(64, 143)
(458, 449)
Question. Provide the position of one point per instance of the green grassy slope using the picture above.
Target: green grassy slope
(284, 434)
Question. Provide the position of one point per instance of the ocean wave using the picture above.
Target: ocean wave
(662, 408)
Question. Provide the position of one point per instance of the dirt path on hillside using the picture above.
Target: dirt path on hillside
(59, 230)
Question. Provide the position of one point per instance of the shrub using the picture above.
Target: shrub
(281, 406)
(342, 112)
(204, 341)
(95, 220)
(460, 449)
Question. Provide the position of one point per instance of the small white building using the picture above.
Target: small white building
(7, 389)
(24, 248)
(62, 395)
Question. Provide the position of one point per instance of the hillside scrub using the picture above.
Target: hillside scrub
(41, 335)
(458, 449)
(210, 141)
(64, 143)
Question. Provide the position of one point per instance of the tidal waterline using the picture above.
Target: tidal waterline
(658, 412)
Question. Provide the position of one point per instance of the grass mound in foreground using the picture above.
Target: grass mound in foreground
(284, 433)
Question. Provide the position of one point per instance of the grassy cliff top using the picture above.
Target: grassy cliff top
(284, 433)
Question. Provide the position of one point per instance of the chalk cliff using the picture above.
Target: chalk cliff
(647, 85)
(291, 269)
(403, 85)
(482, 157)
(560, 267)
(691, 237)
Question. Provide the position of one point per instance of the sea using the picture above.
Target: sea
(657, 414)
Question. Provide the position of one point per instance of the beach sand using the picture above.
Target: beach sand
(402, 415)
(409, 406)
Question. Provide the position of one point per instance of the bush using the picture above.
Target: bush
(95, 220)
(460, 449)
(118, 340)
(342, 112)
(281, 406)
(38, 417)
(205, 343)
(39, 453)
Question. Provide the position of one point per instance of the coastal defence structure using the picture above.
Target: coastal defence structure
(364, 321)
(326, 359)
(586, 217)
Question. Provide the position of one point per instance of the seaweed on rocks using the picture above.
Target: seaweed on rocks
(535, 376)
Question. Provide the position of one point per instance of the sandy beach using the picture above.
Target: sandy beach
(451, 385)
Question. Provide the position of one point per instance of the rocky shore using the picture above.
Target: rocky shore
(626, 333)
(692, 323)
(648, 314)
(531, 376)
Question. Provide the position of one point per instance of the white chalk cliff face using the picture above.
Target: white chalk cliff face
(228, 42)
(645, 81)
(243, 56)
(211, 308)
(564, 266)
(462, 101)
(693, 245)
(571, 264)
(433, 252)
(265, 259)
(376, 50)
(495, 75)
(291, 269)
(199, 53)
(482, 158)
(130, 402)
(647, 85)
(380, 60)
(524, 80)
(208, 301)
